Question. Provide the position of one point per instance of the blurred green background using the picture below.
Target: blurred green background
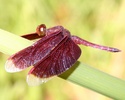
(99, 21)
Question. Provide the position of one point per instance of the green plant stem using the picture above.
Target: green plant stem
(80, 74)
(10, 43)
(96, 80)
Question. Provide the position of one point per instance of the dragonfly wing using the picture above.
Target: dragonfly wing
(33, 54)
(58, 61)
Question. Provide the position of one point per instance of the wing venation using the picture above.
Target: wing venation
(60, 60)
(33, 54)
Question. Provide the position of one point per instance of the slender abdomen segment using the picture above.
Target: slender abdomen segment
(78, 40)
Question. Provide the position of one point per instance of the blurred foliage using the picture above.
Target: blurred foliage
(99, 21)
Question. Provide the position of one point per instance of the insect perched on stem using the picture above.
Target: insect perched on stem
(53, 54)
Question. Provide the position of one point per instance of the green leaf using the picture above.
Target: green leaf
(80, 73)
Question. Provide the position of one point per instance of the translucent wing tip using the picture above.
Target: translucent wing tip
(10, 67)
(33, 80)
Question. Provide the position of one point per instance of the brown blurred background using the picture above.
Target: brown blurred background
(99, 21)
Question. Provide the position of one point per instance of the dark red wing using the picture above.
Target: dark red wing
(61, 59)
(32, 36)
(34, 53)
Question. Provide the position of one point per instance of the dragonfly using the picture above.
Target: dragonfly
(54, 53)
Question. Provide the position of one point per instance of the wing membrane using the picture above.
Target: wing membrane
(33, 54)
(61, 59)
